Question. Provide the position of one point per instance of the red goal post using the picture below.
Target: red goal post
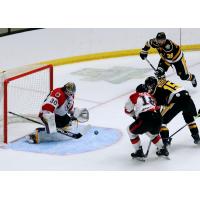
(23, 89)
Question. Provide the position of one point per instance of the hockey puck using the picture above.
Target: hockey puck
(96, 132)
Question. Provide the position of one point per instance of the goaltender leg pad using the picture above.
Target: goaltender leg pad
(50, 122)
(89, 142)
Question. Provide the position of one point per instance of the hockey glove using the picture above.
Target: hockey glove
(160, 72)
(143, 54)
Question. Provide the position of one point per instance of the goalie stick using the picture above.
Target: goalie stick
(75, 135)
(26, 118)
(67, 133)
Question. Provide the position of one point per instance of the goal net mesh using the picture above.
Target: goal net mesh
(22, 92)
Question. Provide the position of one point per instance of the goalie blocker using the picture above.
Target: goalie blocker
(58, 112)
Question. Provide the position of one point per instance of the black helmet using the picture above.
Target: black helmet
(141, 88)
(161, 36)
(70, 88)
(151, 83)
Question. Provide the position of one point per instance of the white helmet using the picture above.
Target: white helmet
(70, 88)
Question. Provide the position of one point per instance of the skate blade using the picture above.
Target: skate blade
(143, 159)
(197, 143)
(165, 157)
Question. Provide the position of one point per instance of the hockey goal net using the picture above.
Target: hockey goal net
(22, 92)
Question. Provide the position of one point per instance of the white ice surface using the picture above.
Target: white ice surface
(106, 101)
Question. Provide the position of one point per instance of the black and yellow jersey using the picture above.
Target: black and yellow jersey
(165, 91)
(169, 52)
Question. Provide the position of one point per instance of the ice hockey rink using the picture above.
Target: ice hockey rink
(103, 86)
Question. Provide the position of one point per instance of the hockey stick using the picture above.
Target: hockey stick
(148, 148)
(170, 137)
(28, 119)
(145, 155)
(67, 133)
(150, 64)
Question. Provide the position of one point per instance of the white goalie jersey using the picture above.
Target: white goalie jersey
(58, 102)
(138, 103)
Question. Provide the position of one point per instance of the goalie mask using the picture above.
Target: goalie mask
(70, 88)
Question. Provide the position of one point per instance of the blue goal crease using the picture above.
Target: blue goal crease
(89, 142)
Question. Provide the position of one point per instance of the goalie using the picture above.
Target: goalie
(57, 114)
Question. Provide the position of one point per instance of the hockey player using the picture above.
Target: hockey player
(142, 107)
(170, 54)
(57, 113)
(175, 99)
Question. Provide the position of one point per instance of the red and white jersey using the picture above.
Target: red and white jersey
(58, 102)
(140, 102)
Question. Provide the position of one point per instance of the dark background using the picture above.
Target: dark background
(10, 31)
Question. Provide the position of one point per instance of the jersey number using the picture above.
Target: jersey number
(53, 101)
(170, 55)
(170, 86)
(148, 100)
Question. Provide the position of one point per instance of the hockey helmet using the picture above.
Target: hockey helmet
(151, 83)
(161, 38)
(70, 88)
(141, 88)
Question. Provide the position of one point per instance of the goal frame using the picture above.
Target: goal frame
(5, 91)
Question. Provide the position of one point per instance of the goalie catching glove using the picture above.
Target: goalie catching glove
(81, 114)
